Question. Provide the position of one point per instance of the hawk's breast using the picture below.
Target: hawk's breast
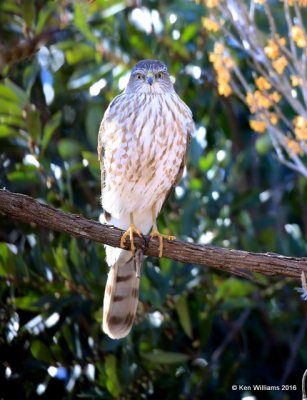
(145, 139)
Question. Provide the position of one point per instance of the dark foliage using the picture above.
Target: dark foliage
(198, 331)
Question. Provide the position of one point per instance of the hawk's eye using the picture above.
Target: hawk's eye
(139, 76)
(159, 75)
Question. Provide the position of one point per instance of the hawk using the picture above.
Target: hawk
(142, 142)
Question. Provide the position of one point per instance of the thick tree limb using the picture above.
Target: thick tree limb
(27, 209)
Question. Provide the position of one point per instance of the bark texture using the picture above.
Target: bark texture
(27, 209)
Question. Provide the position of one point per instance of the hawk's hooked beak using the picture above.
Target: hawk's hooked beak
(150, 78)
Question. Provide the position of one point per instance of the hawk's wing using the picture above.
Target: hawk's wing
(182, 165)
(100, 148)
(105, 120)
(105, 123)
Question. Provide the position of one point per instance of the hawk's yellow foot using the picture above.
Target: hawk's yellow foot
(129, 232)
(160, 236)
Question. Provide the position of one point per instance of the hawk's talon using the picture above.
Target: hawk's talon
(160, 236)
(129, 232)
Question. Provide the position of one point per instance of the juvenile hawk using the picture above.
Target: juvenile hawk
(142, 142)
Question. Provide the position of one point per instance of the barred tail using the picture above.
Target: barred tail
(121, 297)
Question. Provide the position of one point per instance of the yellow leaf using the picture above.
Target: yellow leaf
(211, 3)
(280, 64)
(210, 25)
(262, 83)
(257, 126)
(295, 80)
(294, 147)
(298, 36)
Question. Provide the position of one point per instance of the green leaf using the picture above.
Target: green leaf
(74, 252)
(154, 297)
(33, 122)
(50, 128)
(112, 382)
(27, 303)
(196, 184)
(81, 13)
(61, 262)
(6, 131)
(165, 357)
(6, 107)
(263, 144)
(23, 176)
(28, 11)
(206, 162)
(74, 168)
(7, 265)
(188, 33)
(92, 122)
(92, 159)
(12, 121)
(46, 12)
(69, 338)
(233, 287)
(4, 253)
(93, 163)
(30, 75)
(40, 351)
(69, 148)
(84, 53)
(184, 315)
(21, 95)
(7, 94)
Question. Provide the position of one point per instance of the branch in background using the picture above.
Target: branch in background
(294, 350)
(24, 49)
(218, 352)
(277, 93)
(27, 209)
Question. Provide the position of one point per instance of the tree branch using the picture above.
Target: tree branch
(27, 209)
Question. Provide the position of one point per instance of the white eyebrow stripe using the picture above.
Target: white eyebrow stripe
(139, 71)
(144, 72)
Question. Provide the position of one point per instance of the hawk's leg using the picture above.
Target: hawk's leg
(129, 232)
(154, 232)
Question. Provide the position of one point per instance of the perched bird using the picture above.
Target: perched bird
(142, 142)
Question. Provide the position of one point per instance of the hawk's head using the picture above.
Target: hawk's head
(150, 77)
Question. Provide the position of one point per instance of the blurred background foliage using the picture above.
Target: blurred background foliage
(198, 330)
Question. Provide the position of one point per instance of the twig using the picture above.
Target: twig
(237, 326)
(27, 209)
(25, 49)
(296, 343)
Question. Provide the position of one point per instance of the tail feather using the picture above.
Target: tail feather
(121, 297)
